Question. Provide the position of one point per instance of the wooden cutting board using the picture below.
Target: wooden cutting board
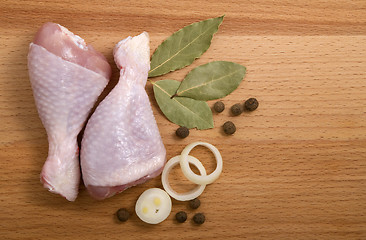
(295, 168)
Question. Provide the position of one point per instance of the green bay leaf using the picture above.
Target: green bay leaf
(182, 111)
(212, 80)
(183, 47)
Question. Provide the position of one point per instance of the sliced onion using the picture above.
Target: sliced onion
(153, 206)
(200, 179)
(188, 195)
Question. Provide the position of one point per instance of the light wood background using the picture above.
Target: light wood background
(295, 168)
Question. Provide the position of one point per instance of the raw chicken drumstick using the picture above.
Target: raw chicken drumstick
(67, 76)
(122, 146)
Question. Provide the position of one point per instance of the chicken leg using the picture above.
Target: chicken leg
(122, 146)
(67, 76)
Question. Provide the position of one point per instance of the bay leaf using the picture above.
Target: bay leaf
(212, 80)
(182, 111)
(183, 47)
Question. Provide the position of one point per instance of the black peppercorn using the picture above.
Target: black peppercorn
(199, 218)
(219, 107)
(236, 109)
(229, 127)
(251, 104)
(181, 216)
(182, 132)
(122, 214)
(194, 203)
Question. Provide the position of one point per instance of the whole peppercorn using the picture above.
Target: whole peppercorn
(122, 214)
(181, 216)
(229, 127)
(236, 109)
(251, 104)
(219, 106)
(199, 218)
(194, 203)
(182, 132)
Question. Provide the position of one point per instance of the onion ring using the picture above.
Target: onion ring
(188, 195)
(200, 179)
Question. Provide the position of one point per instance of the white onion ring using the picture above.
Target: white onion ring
(188, 195)
(200, 179)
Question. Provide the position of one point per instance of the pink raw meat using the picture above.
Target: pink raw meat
(122, 146)
(67, 76)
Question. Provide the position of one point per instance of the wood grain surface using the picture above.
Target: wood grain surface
(295, 168)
